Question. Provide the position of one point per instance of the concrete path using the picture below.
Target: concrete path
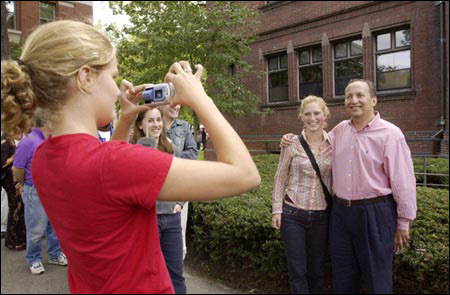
(17, 279)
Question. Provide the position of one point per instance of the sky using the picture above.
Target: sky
(103, 14)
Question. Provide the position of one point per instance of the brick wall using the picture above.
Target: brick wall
(308, 23)
(444, 146)
(27, 14)
(79, 12)
(419, 142)
(402, 108)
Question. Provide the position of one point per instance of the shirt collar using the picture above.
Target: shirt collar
(325, 136)
(370, 124)
(175, 123)
(374, 120)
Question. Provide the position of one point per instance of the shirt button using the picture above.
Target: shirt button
(349, 175)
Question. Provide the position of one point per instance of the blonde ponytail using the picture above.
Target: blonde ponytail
(18, 100)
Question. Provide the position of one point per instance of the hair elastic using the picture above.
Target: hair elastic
(20, 62)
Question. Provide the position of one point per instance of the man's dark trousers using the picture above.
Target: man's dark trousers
(361, 244)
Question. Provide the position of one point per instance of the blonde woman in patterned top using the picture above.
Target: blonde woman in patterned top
(301, 212)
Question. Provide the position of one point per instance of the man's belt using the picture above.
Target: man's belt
(351, 203)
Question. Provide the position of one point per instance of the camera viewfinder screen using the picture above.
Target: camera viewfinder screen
(158, 93)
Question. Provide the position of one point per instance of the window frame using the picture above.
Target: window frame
(278, 70)
(393, 49)
(349, 56)
(14, 15)
(53, 5)
(311, 63)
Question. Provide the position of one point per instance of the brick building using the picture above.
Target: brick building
(24, 16)
(316, 47)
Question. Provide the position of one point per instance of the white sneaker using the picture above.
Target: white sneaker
(37, 268)
(61, 260)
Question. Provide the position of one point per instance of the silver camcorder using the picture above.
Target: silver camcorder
(158, 94)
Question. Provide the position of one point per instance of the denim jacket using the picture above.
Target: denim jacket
(182, 140)
(184, 146)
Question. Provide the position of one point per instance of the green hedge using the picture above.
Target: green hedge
(236, 233)
(424, 266)
(236, 238)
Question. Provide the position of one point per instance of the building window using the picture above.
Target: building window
(393, 57)
(46, 12)
(278, 78)
(348, 64)
(11, 15)
(310, 72)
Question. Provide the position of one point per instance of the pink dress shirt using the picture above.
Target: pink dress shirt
(372, 162)
(304, 190)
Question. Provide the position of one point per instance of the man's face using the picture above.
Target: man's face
(171, 112)
(358, 101)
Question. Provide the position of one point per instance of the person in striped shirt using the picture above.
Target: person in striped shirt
(301, 213)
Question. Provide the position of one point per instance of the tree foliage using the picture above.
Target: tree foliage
(163, 32)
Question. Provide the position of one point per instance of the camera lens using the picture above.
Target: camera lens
(158, 93)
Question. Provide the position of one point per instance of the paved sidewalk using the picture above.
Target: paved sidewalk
(17, 279)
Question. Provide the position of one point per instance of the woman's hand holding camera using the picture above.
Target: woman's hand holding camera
(188, 86)
(129, 99)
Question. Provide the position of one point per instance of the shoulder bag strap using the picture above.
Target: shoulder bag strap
(316, 168)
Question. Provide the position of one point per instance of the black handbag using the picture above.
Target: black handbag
(305, 145)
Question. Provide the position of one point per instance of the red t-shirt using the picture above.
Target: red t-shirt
(100, 199)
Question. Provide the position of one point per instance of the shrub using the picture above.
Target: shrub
(236, 233)
(424, 266)
(236, 237)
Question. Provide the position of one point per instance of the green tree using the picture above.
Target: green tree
(163, 32)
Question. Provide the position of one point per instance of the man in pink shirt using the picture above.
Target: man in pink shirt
(375, 194)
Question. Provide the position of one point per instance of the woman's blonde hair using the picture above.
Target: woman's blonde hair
(319, 100)
(47, 69)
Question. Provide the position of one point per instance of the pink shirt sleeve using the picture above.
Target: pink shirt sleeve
(280, 180)
(400, 170)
